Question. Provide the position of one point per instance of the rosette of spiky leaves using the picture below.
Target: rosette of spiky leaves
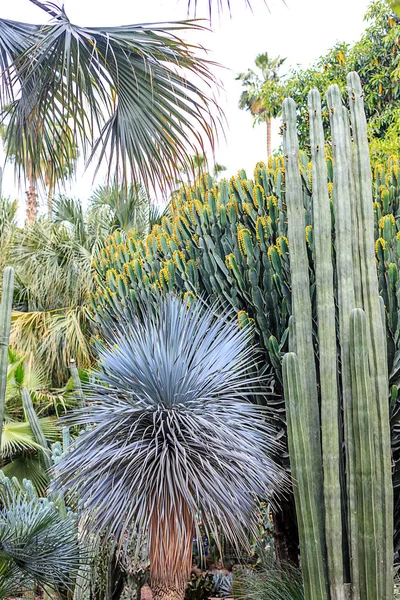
(173, 434)
(38, 547)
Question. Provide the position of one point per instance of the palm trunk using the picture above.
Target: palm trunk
(50, 202)
(269, 149)
(170, 541)
(31, 202)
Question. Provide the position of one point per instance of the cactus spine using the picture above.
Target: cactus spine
(5, 327)
(363, 386)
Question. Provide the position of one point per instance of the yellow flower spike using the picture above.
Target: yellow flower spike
(380, 243)
(279, 170)
(246, 208)
(386, 220)
(308, 232)
(188, 297)
(234, 183)
(245, 241)
(283, 244)
(257, 192)
(228, 260)
(263, 225)
(179, 259)
(271, 249)
(330, 189)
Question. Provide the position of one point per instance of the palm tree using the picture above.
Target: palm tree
(263, 95)
(54, 275)
(128, 207)
(173, 438)
(121, 93)
(22, 454)
(38, 547)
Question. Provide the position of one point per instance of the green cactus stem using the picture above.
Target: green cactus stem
(347, 274)
(375, 331)
(368, 488)
(330, 427)
(37, 430)
(5, 328)
(311, 502)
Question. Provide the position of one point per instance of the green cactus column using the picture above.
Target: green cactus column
(347, 275)
(368, 492)
(307, 415)
(5, 327)
(37, 430)
(375, 330)
(328, 368)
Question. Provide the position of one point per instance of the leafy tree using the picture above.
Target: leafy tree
(54, 275)
(376, 58)
(174, 427)
(263, 96)
(68, 154)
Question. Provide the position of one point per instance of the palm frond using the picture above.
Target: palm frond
(130, 92)
(37, 545)
(173, 431)
(27, 467)
(128, 207)
(16, 437)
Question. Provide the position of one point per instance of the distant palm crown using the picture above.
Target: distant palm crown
(173, 429)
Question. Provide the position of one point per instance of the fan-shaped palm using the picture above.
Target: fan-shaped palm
(38, 547)
(124, 91)
(262, 96)
(21, 453)
(173, 435)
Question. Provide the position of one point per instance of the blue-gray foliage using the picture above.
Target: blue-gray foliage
(172, 425)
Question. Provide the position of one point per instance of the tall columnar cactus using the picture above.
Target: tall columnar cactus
(322, 234)
(358, 554)
(311, 501)
(5, 326)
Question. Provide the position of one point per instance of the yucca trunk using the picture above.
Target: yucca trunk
(171, 537)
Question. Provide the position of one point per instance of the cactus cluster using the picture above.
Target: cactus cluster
(225, 241)
(344, 496)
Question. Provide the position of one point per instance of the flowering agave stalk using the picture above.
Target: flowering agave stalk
(173, 435)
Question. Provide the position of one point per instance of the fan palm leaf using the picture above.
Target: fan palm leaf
(174, 434)
(27, 466)
(133, 93)
(38, 547)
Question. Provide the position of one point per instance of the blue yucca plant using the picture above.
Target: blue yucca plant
(174, 437)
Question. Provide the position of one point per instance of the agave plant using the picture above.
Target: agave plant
(38, 547)
(173, 435)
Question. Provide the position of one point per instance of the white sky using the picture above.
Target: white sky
(301, 30)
